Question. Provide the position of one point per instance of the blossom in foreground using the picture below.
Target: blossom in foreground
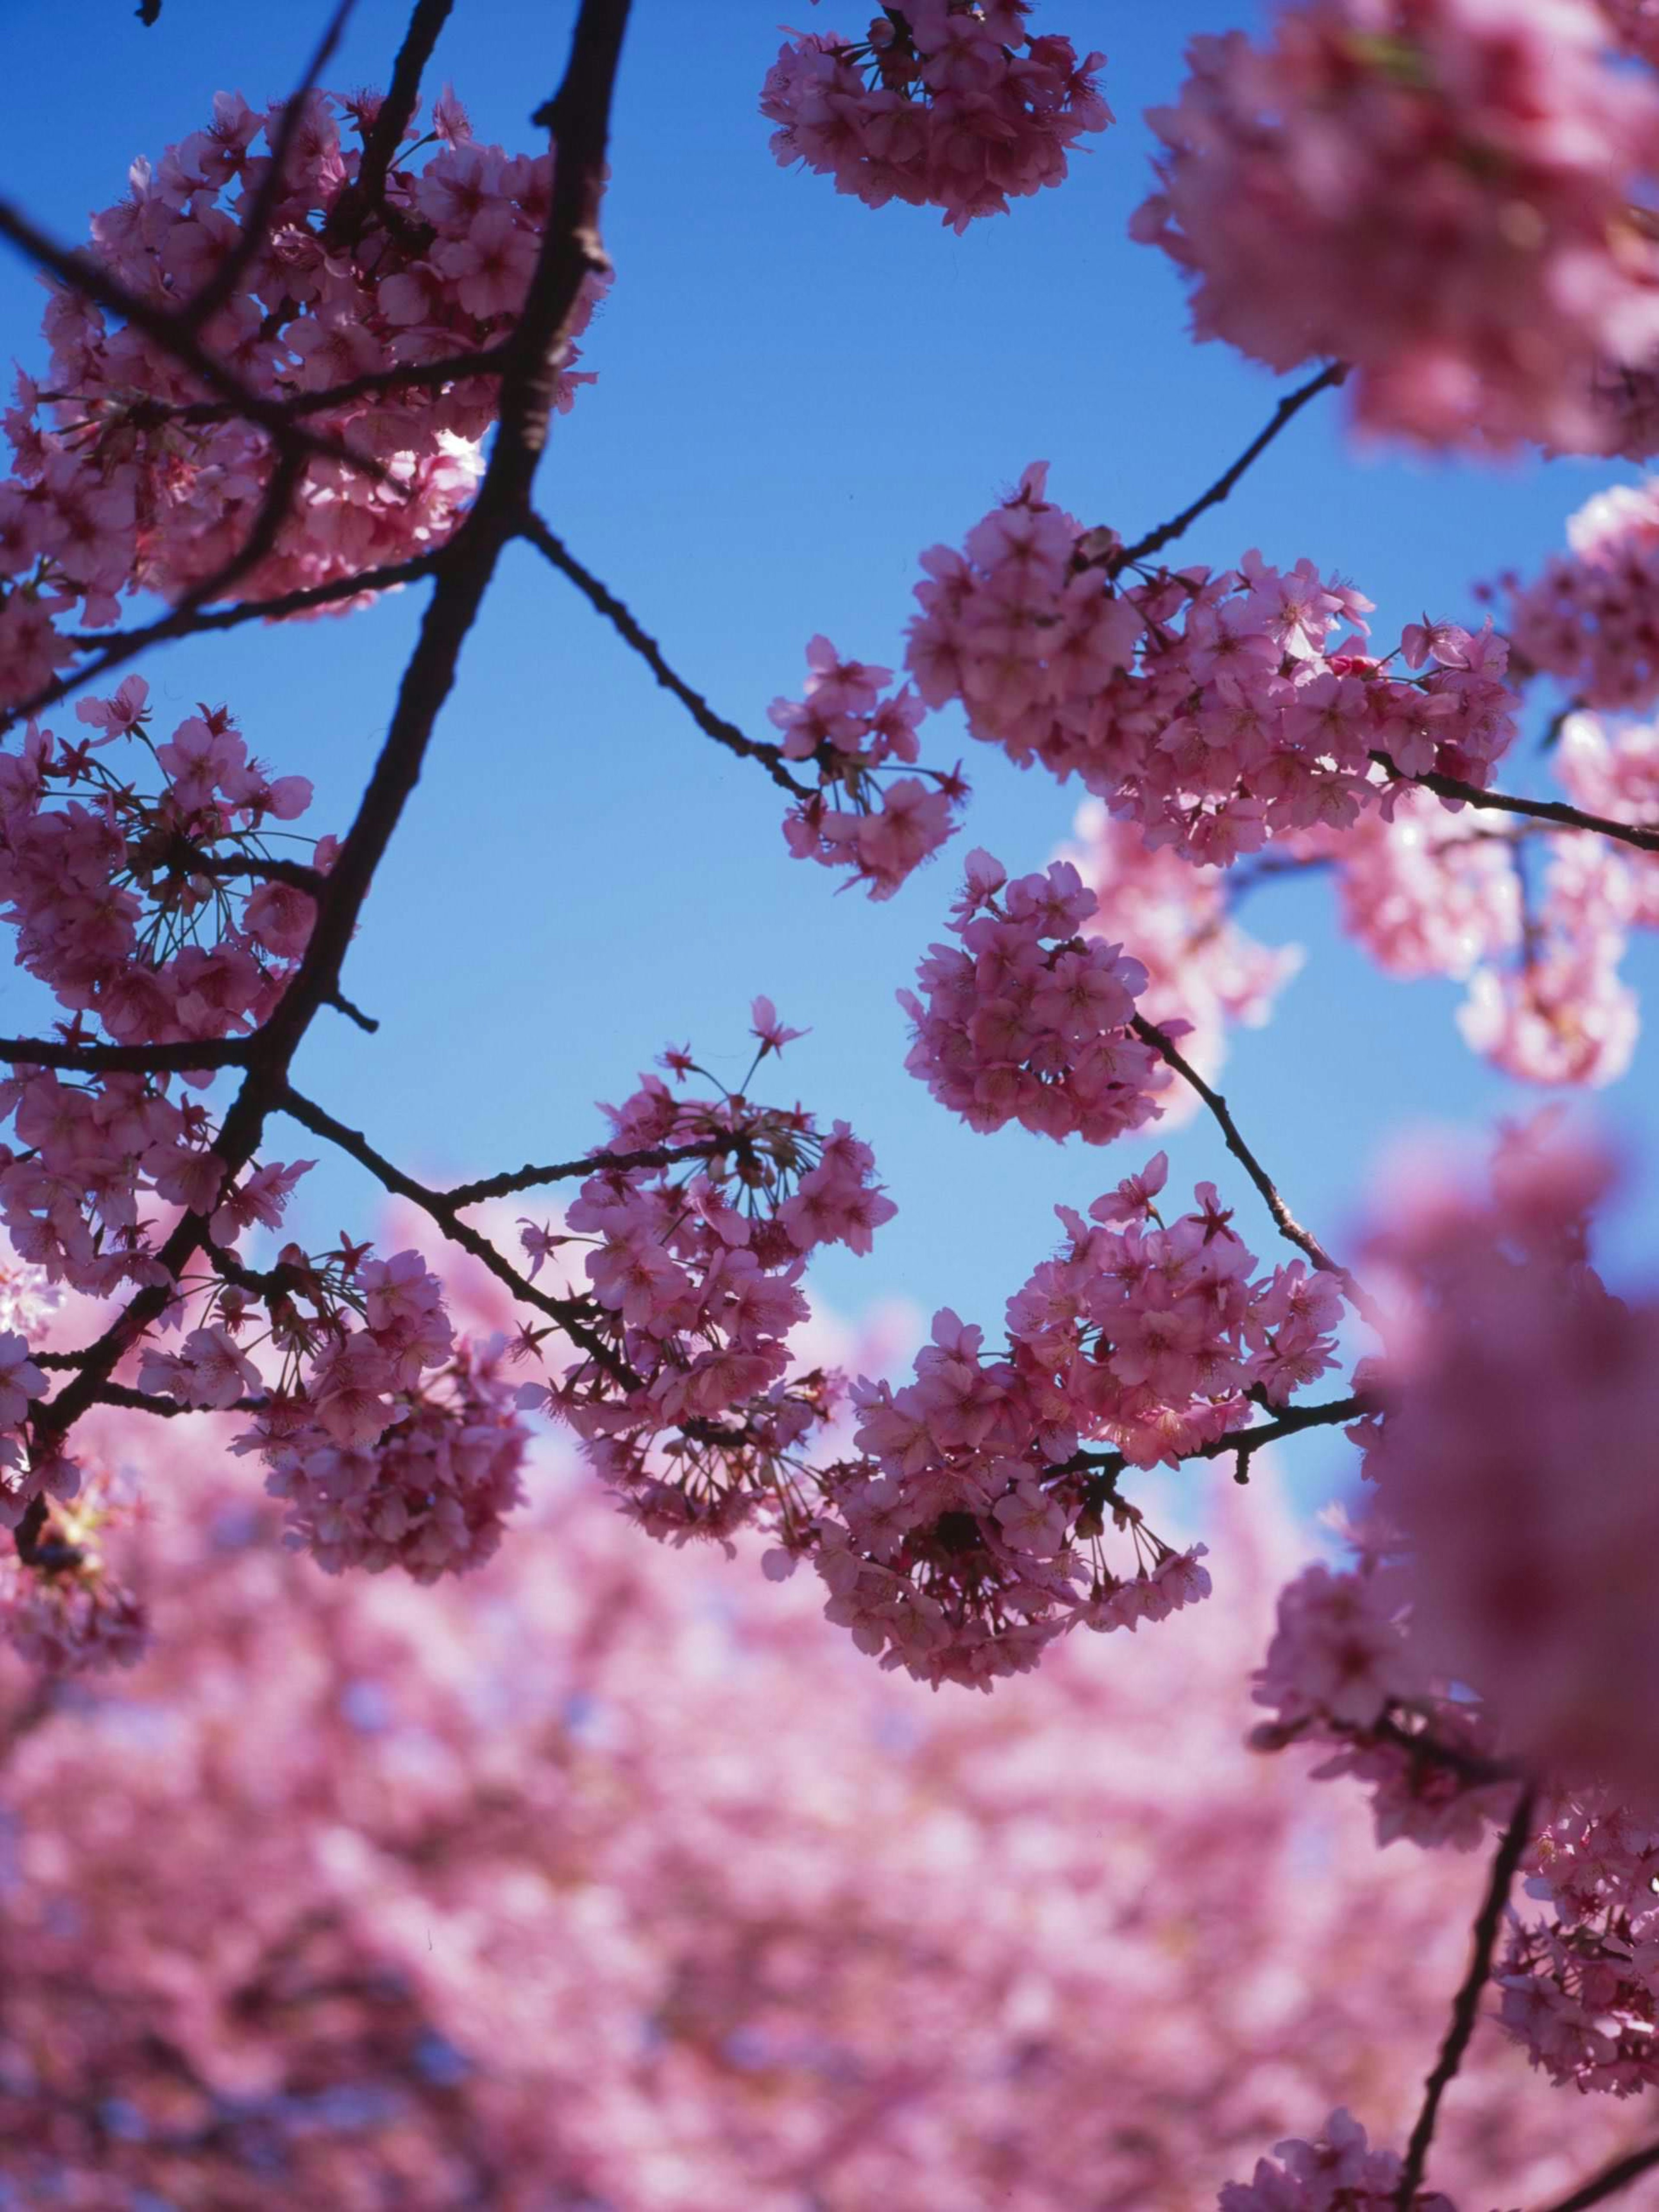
(1436, 193)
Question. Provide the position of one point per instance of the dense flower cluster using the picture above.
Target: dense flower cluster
(1591, 618)
(1338, 2168)
(133, 471)
(1581, 1989)
(151, 914)
(1203, 972)
(945, 103)
(428, 1492)
(1216, 710)
(698, 1222)
(969, 1535)
(850, 733)
(1344, 1674)
(1436, 193)
(1029, 1021)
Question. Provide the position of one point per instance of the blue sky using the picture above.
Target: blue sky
(795, 396)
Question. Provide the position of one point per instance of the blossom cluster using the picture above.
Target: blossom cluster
(1215, 710)
(160, 916)
(1581, 1988)
(1343, 1674)
(945, 103)
(1338, 2168)
(1535, 921)
(968, 1533)
(698, 1220)
(1029, 1021)
(392, 1443)
(422, 1481)
(1436, 193)
(1589, 618)
(131, 470)
(882, 831)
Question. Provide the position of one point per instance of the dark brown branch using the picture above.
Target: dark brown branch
(87, 276)
(1286, 1222)
(147, 1401)
(1644, 836)
(125, 1059)
(711, 724)
(1287, 411)
(372, 384)
(123, 644)
(255, 225)
(353, 1013)
(1466, 2004)
(1289, 1421)
(527, 1178)
(264, 868)
(570, 251)
(439, 1206)
(1619, 2175)
(402, 96)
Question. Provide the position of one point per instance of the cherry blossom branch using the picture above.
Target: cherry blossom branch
(146, 1401)
(1287, 411)
(374, 383)
(1644, 837)
(267, 868)
(614, 613)
(402, 96)
(1465, 2005)
(1289, 1421)
(90, 1059)
(571, 250)
(1285, 1222)
(223, 280)
(353, 1013)
(440, 1206)
(123, 644)
(84, 275)
(527, 1178)
(1619, 2175)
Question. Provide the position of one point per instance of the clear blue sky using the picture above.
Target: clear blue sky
(795, 396)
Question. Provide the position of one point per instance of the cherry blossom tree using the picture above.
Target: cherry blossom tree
(316, 353)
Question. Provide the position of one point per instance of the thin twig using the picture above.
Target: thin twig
(256, 225)
(341, 1004)
(1644, 837)
(82, 274)
(711, 724)
(439, 1207)
(1285, 1222)
(1466, 2004)
(1287, 409)
(527, 1178)
(1290, 1421)
(1619, 2175)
